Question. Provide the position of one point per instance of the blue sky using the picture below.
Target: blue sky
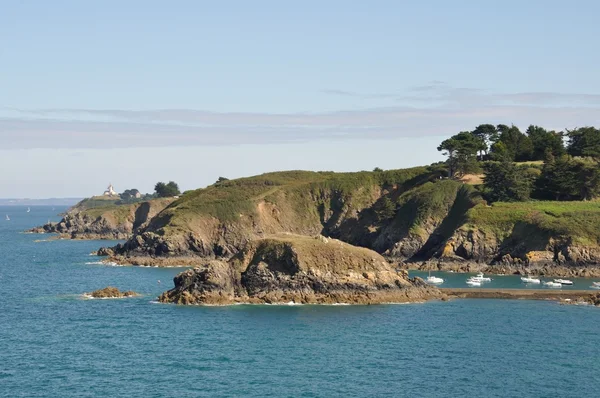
(132, 92)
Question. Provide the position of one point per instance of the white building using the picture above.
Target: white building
(110, 191)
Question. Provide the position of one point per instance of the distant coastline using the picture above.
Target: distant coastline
(39, 202)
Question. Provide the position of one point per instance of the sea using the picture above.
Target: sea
(56, 343)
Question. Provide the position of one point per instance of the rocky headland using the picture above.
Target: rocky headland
(412, 217)
(102, 219)
(299, 269)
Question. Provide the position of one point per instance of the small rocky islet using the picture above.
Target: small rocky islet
(110, 292)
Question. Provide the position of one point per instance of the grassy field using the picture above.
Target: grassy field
(577, 220)
(228, 199)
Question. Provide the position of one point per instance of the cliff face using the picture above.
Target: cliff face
(107, 221)
(300, 269)
(410, 215)
(218, 221)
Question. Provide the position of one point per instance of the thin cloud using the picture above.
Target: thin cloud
(433, 110)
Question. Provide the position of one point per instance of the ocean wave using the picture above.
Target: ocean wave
(86, 296)
(109, 263)
(90, 297)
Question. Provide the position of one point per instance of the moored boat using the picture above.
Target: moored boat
(552, 284)
(563, 281)
(528, 279)
(434, 280)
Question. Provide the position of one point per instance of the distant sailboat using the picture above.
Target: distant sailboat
(7, 218)
(28, 210)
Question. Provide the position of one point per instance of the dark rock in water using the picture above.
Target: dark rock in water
(105, 251)
(300, 269)
(111, 292)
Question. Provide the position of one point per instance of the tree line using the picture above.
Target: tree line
(570, 169)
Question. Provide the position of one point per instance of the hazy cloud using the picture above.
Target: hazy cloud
(436, 109)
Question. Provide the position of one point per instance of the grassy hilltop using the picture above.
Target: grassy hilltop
(411, 214)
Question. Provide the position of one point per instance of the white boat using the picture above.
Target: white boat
(472, 282)
(7, 218)
(28, 210)
(596, 284)
(552, 284)
(434, 280)
(563, 281)
(528, 279)
(480, 278)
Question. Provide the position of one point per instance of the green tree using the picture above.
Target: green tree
(505, 182)
(130, 194)
(386, 209)
(166, 190)
(518, 146)
(488, 134)
(584, 141)
(222, 179)
(545, 141)
(461, 150)
(499, 152)
(589, 180)
(565, 178)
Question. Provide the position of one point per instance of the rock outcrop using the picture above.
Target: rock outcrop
(299, 269)
(590, 299)
(110, 222)
(111, 292)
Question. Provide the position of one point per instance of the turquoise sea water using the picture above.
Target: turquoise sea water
(55, 344)
(455, 280)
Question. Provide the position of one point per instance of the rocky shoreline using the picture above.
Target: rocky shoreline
(109, 222)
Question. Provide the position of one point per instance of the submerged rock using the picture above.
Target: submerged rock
(111, 292)
(590, 299)
(299, 269)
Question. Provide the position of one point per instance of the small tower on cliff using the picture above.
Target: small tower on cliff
(110, 191)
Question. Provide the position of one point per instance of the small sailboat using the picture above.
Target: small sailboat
(434, 280)
(28, 210)
(7, 218)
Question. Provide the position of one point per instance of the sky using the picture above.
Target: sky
(135, 92)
